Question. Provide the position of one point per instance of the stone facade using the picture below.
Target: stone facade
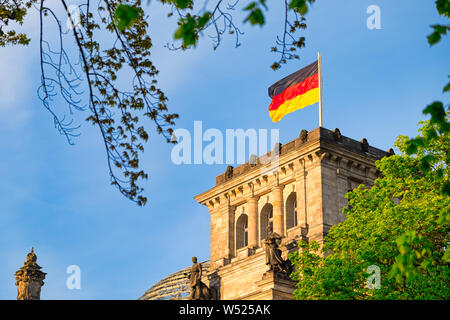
(302, 196)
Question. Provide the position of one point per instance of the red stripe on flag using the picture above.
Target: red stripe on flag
(309, 83)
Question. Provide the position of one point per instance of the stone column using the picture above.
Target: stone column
(253, 222)
(300, 187)
(222, 233)
(278, 210)
(231, 245)
(29, 279)
(342, 188)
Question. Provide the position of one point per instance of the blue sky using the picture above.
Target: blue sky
(57, 197)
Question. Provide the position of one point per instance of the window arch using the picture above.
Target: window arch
(242, 231)
(266, 219)
(291, 211)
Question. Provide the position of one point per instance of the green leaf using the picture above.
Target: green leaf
(435, 37)
(189, 27)
(203, 20)
(251, 6)
(446, 256)
(256, 15)
(296, 4)
(446, 188)
(443, 7)
(182, 4)
(447, 87)
(125, 16)
(437, 112)
(425, 162)
(301, 6)
(186, 31)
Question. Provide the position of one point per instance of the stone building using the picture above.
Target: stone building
(301, 195)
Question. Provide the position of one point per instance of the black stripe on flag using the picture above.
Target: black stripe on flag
(293, 79)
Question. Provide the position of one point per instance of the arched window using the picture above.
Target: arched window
(266, 219)
(242, 231)
(291, 210)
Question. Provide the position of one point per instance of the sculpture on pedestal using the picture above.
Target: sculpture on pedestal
(303, 136)
(273, 254)
(29, 279)
(229, 173)
(199, 290)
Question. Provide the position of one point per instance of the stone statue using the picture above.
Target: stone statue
(364, 145)
(337, 134)
(303, 136)
(277, 148)
(29, 279)
(273, 253)
(199, 290)
(229, 173)
(253, 161)
(391, 152)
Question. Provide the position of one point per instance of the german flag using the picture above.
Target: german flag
(296, 91)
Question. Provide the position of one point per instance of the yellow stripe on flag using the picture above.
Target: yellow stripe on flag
(299, 102)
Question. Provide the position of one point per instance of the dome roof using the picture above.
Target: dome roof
(172, 287)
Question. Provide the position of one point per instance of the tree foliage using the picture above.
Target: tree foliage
(400, 225)
(443, 8)
(111, 37)
(217, 20)
(81, 67)
(13, 12)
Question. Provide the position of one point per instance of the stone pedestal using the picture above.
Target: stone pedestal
(29, 279)
(275, 286)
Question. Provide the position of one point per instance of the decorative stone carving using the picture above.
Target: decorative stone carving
(29, 279)
(364, 145)
(303, 136)
(229, 173)
(317, 134)
(199, 290)
(253, 161)
(273, 254)
(390, 152)
(277, 148)
(337, 134)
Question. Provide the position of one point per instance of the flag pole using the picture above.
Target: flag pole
(320, 89)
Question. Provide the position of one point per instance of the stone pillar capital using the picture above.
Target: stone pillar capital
(278, 187)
